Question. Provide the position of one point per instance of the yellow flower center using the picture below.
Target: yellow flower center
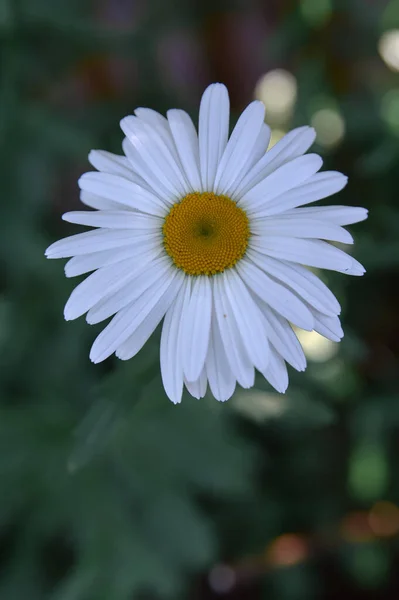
(205, 234)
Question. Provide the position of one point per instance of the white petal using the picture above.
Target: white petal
(319, 186)
(143, 171)
(356, 268)
(283, 338)
(276, 295)
(145, 273)
(152, 117)
(213, 131)
(231, 338)
(196, 328)
(171, 350)
(311, 289)
(115, 219)
(97, 285)
(159, 123)
(283, 179)
(240, 148)
(157, 153)
(162, 126)
(330, 327)
(313, 253)
(125, 323)
(197, 388)
(248, 319)
(222, 381)
(339, 215)
(186, 140)
(276, 372)
(89, 262)
(99, 202)
(135, 342)
(301, 228)
(121, 190)
(259, 150)
(111, 163)
(292, 145)
(261, 145)
(100, 239)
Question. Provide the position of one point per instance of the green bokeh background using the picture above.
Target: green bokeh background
(107, 490)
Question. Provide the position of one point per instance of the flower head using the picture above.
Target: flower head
(204, 231)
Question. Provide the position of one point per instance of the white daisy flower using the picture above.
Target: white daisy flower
(204, 231)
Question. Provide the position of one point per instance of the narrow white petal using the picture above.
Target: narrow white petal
(313, 253)
(152, 117)
(159, 123)
(145, 273)
(171, 352)
(276, 295)
(186, 140)
(259, 150)
(99, 202)
(261, 145)
(197, 388)
(356, 268)
(283, 338)
(145, 174)
(292, 145)
(99, 239)
(283, 179)
(135, 342)
(276, 372)
(240, 148)
(197, 326)
(319, 186)
(89, 262)
(97, 285)
(236, 355)
(329, 327)
(300, 280)
(222, 381)
(160, 158)
(213, 131)
(121, 190)
(163, 128)
(125, 323)
(115, 219)
(111, 163)
(301, 228)
(248, 319)
(339, 215)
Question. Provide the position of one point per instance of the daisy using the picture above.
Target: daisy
(204, 231)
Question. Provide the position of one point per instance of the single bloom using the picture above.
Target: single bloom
(205, 232)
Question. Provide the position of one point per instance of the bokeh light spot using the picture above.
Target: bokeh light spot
(277, 89)
(388, 47)
(330, 127)
(384, 519)
(315, 346)
(287, 550)
(221, 579)
(276, 136)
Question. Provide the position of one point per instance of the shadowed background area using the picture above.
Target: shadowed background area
(107, 490)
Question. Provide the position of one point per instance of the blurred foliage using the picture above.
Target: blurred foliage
(108, 492)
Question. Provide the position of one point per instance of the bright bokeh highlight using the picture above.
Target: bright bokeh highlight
(330, 127)
(277, 89)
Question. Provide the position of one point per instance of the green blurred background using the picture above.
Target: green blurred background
(107, 490)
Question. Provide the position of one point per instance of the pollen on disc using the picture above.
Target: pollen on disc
(205, 233)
